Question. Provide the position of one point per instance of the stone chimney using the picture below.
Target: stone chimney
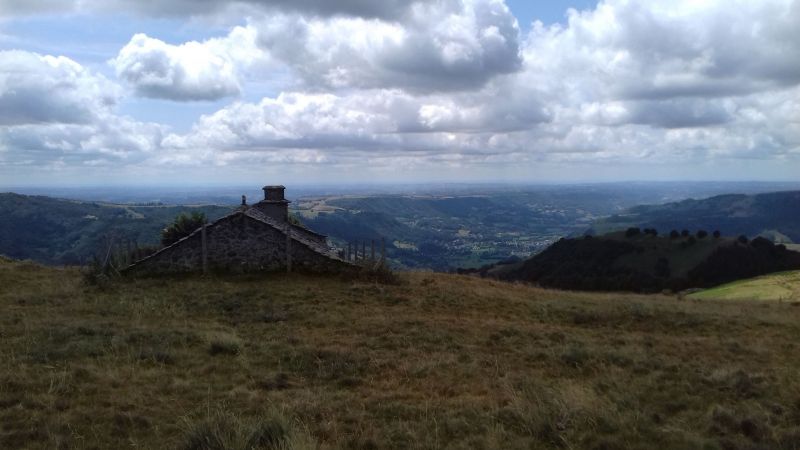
(274, 204)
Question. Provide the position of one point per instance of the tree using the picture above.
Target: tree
(183, 226)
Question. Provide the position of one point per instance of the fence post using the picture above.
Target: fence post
(383, 250)
(349, 251)
(363, 249)
(204, 244)
(372, 252)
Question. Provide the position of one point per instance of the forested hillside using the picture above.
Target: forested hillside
(55, 231)
(645, 262)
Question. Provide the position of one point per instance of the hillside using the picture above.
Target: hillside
(444, 229)
(650, 263)
(56, 231)
(775, 215)
(440, 361)
(783, 286)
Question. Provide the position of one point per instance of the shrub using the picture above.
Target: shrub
(685, 233)
(701, 234)
(633, 231)
(674, 234)
(183, 226)
(743, 239)
(717, 234)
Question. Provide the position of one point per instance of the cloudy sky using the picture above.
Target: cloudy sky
(322, 91)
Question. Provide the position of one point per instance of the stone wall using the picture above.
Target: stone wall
(236, 243)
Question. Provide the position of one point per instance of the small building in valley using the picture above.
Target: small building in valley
(257, 237)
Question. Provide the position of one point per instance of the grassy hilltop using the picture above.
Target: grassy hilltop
(439, 361)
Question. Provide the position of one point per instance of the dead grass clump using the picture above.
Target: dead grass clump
(380, 274)
(224, 344)
(226, 431)
(737, 382)
(550, 415)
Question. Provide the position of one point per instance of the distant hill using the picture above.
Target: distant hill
(56, 231)
(647, 263)
(775, 215)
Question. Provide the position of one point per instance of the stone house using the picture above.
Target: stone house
(251, 238)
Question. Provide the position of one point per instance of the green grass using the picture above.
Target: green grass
(783, 286)
(438, 361)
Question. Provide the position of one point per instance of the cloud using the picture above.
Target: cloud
(383, 9)
(208, 70)
(55, 111)
(38, 89)
(446, 45)
(452, 85)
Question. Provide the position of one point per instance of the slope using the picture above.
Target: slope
(440, 361)
(784, 286)
(775, 214)
(56, 231)
(647, 263)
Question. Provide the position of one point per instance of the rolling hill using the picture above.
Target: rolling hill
(437, 361)
(636, 261)
(56, 231)
(774, 215)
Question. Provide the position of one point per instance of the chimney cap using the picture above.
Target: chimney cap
(274, 194)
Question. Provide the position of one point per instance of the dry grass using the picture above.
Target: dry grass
(438, 361)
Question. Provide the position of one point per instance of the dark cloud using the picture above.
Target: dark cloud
(382, 9)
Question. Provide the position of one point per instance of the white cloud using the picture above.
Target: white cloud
(55, 111)
(46, 89)
(209, 70)
(445, 45)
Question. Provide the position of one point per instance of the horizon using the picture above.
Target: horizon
(176, 93)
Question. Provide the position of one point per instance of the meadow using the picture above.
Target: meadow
(433, 361)
(781, 287)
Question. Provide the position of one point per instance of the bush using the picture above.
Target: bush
(633, 231)
(685, 233)
(183, 226)
(743, 239)
(702, 234)
(717, 234)
(674, 234)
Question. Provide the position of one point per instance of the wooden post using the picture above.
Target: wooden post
(288, 248)
(363, 249)
(349, 251)
(372, 252)
(383, 251)
(204, 244)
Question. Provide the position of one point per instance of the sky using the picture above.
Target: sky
(194, 92)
